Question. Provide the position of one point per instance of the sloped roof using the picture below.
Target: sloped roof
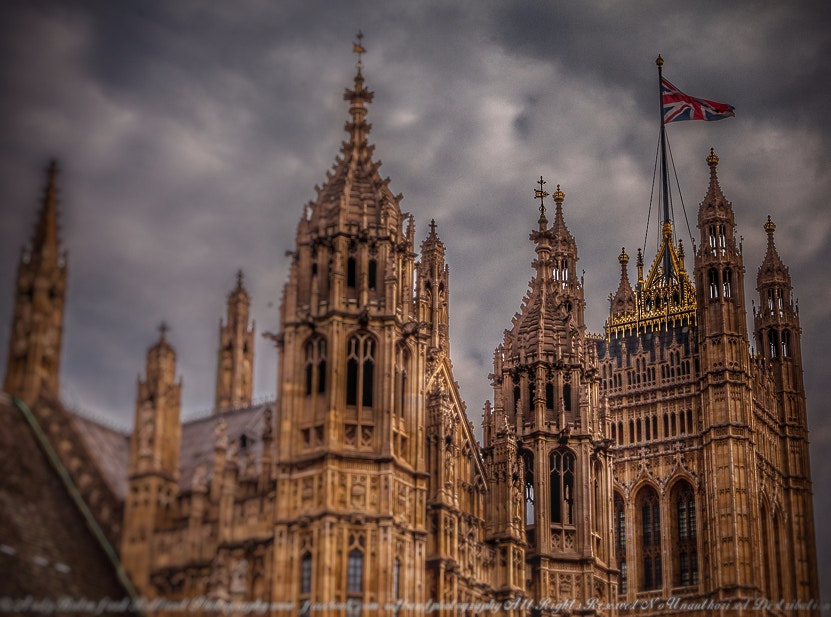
(109, 448)
(47, 548)
(198, 439)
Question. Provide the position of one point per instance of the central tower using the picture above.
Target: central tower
(350, 466)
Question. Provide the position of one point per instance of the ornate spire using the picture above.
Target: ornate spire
(715, 205)
(45, 241)
(772, 269)
(623, 301)
(354, 192)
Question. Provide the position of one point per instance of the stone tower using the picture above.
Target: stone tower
(725, 381)
(349, 439)
(235, 357)
(34, 356)
(786, 512)
(154, 460)
(546, 392)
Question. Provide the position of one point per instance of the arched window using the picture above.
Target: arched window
(620, 539)
(528, 464)
(306, 574)
(315, 365)
(305, 583)
(712, 277)
(372, 274)
(727, 283)
(360, 370)
(685, 545)
(773, 338)
(549, 396)
(567, 397)
(351, 273)
(402, 367)
(786, 343)
(561, 483)
(396, 580)
(649, 527)
(354, 582)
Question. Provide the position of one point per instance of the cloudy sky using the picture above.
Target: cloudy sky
(190, 135)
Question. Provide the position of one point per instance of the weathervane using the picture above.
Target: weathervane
(541, 195)
(163, 329)
(359, 49)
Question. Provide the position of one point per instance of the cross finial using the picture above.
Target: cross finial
(432, 227)
(359, 49)
(541, 195)
(163, 328)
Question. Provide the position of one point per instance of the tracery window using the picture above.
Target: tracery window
(305, 582)
(561, 483)
(354, 582)
(685, 543)
(360, 370)
(315, 365)
(650, 538)
(620, 539)
(402, 366)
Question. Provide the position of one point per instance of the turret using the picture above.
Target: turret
(235, 361)
(719, 268)
(154, 459)
(33, 366)
(433, 290)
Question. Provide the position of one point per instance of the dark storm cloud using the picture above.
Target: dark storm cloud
(191, 134)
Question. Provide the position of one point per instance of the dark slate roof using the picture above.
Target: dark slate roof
(109, 448)
(199, 437)
(47, 549)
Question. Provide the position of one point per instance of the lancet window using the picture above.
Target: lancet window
(561, 486)
(315, 365)
(360, 370)
(685, 546)
(620, 539)
(649, 514)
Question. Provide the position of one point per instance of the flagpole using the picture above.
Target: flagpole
(664, 175)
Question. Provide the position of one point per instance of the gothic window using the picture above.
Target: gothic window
(528, 464)
(516, 399)
(689, 421)
(614, 432)
(402, 365)
(722, 239)
(713, 280)
(372, 274)
(666, 425)
(561, 484)
(620, 539)
(549, 396)
(315, 365)
(727, 280)
(532, 392)
(360, 370)
(567, 397)
(306, 575)
(786, 343)
(773, 339)
(685, 562)
(713, 239)
(354, 582)
(649, 524)
(351, 273)
(396, 579)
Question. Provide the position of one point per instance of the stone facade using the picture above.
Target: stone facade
(635, 465)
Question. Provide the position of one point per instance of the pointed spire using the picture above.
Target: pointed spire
(359, 97)
(623, 300)
(45, 241)
(714, 190)
(772, 269)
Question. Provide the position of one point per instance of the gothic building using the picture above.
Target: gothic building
(661, 459)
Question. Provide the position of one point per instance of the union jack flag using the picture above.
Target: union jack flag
(679, 106)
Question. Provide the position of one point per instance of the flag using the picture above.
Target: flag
(678, 106)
